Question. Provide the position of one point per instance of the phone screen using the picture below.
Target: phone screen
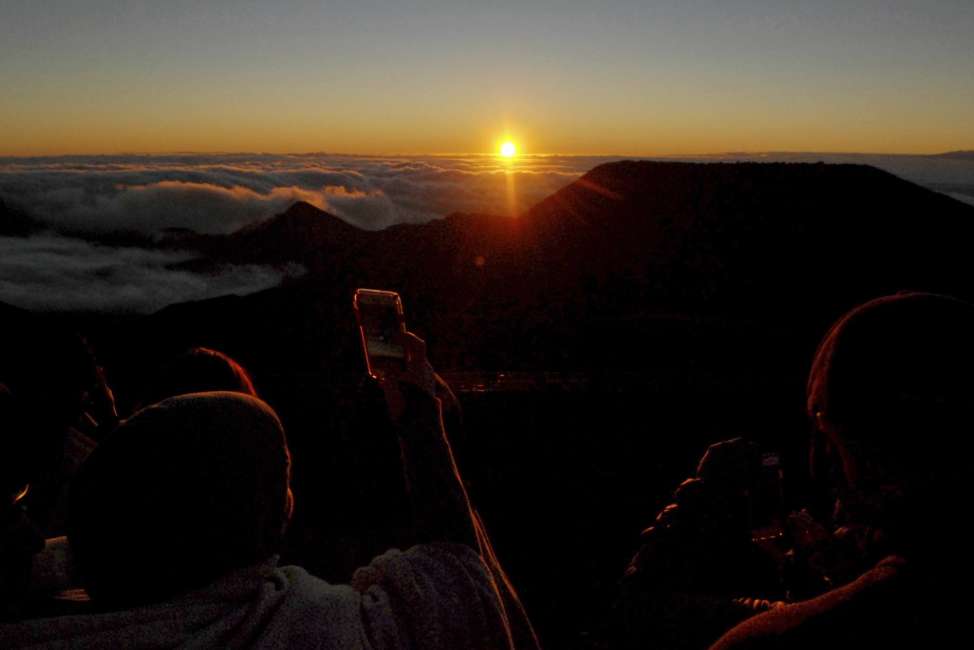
(380, 318)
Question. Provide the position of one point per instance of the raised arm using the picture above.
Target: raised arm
(441, 507)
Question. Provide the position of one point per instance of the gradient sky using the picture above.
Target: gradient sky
(618, 77)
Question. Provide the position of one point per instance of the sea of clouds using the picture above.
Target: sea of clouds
(85, 202)
(221, 193)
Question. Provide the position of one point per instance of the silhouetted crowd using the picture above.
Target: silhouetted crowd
(164, 528)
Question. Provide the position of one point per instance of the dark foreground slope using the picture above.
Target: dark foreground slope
(682, 301)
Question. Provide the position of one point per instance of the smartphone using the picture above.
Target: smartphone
(382, 325)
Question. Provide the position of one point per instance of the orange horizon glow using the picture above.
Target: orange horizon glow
(104, 137)
(99, 135)
(625, 78)
(69, 145)
(618, 152)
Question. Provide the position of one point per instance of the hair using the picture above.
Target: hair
(896, 363)
(198, 370)
(894, 379)
(180, 494)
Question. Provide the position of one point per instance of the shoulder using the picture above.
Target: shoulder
(874, 606)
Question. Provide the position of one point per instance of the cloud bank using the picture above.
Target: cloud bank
(219, 194)
(49, 272)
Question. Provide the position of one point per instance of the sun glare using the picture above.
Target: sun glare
(508, 149)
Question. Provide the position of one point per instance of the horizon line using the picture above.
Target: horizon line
(481, 154)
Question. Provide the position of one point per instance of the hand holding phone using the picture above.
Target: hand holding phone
(382, 327)
(392, 354)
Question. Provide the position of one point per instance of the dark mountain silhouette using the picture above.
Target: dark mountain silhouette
(303, 233)
(629, 247)
(663, 274)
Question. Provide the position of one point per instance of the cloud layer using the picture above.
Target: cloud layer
(50, 272)
(218, 194)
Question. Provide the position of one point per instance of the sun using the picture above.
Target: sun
(508, 149)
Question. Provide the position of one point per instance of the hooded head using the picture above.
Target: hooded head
(180, 494)
(198, 370)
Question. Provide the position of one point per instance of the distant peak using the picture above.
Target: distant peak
(958, 155)
(304, 212)
(302, 217)
(313, 216)
(302, 208)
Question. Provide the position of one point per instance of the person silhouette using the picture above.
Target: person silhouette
(889, 396)
(177, 518)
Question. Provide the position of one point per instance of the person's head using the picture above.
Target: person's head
(180, 494)
(890, 388)
(198, 370)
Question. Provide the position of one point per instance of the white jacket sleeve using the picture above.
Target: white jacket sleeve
(432, 597)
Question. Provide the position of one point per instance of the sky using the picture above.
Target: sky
(614, 77)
